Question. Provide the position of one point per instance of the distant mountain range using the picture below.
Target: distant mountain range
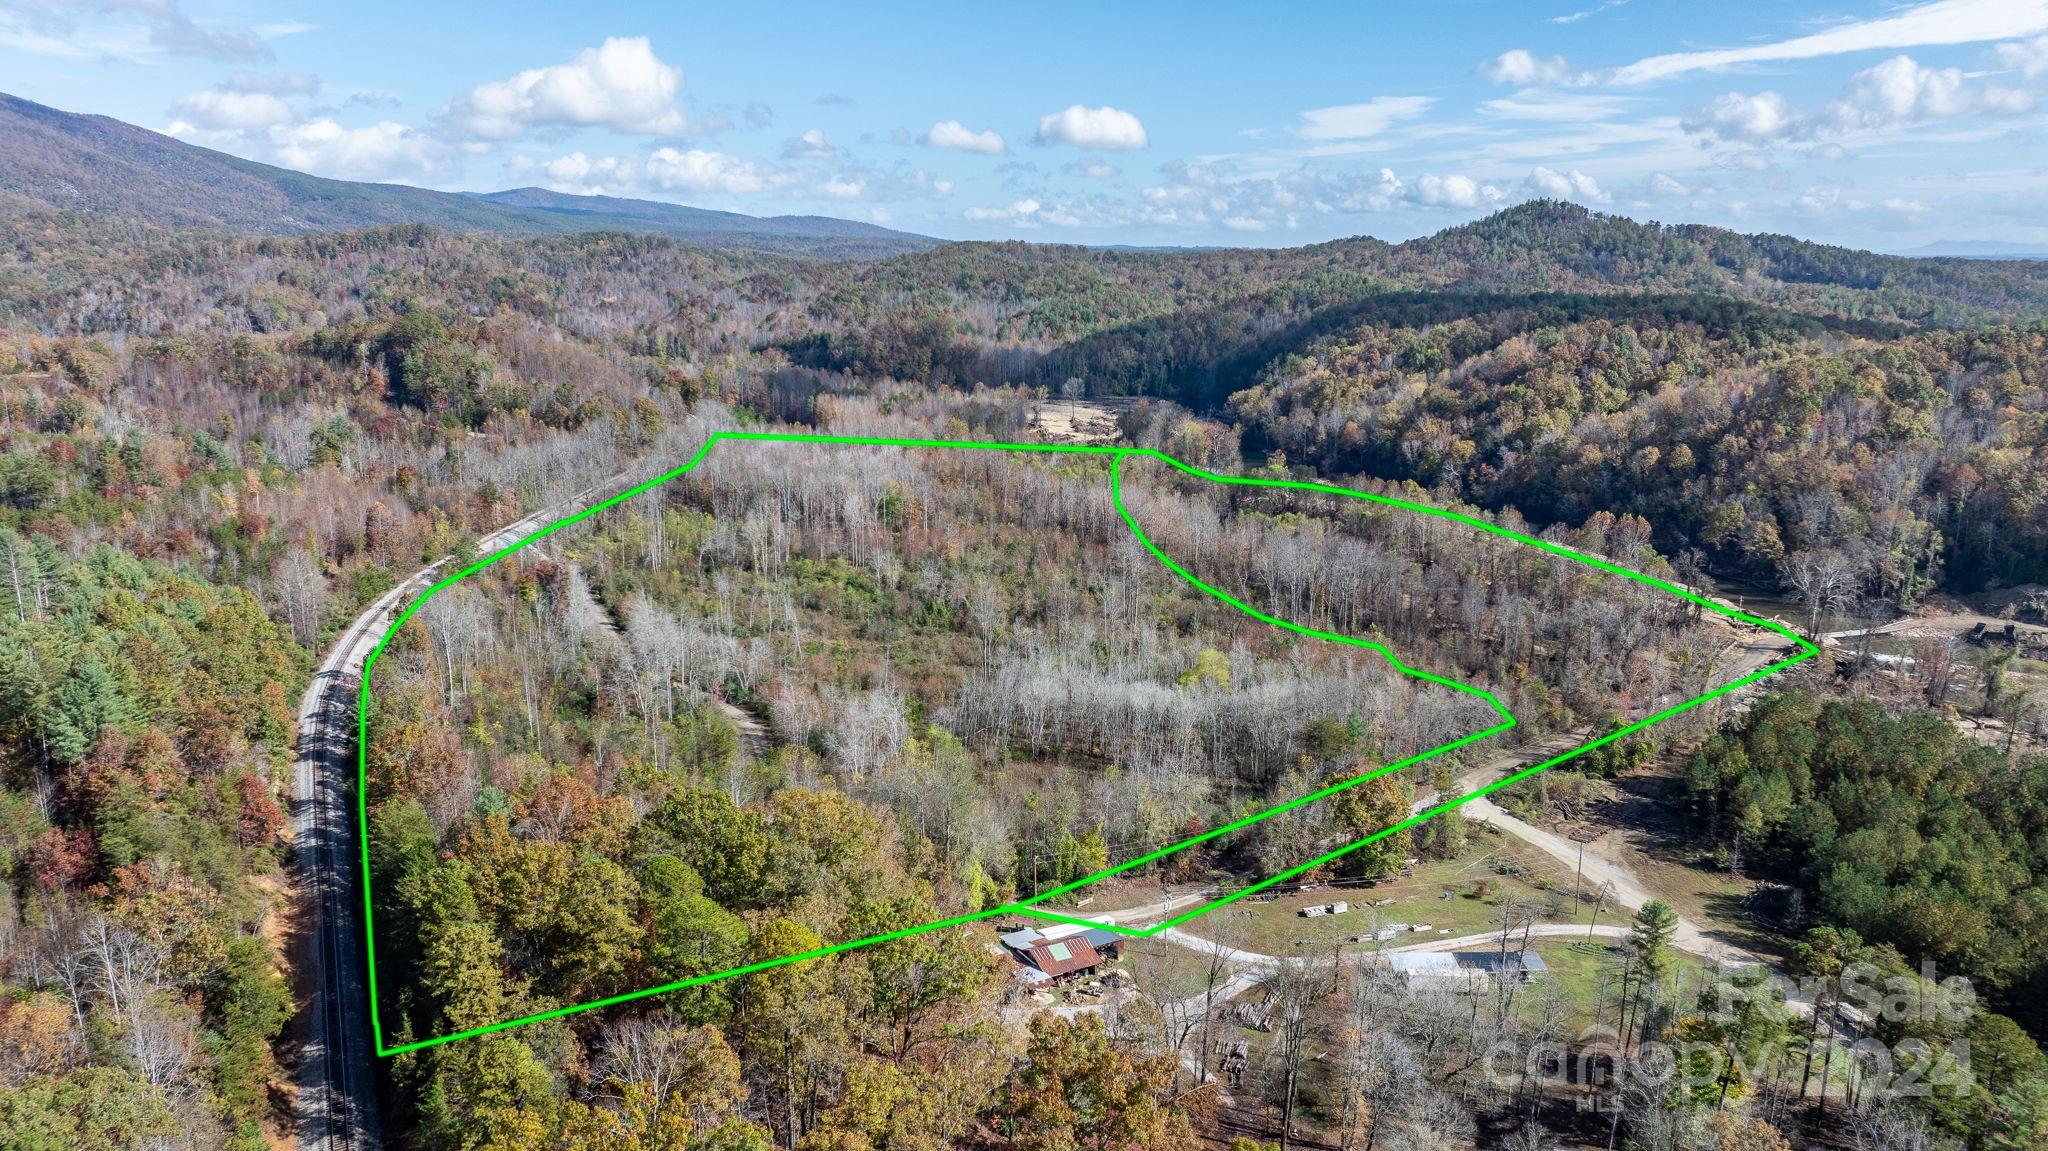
(1981, 250)
(68, 160)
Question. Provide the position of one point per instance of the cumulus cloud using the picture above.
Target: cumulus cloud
(1207, 193)
(1524, 69)
(2028, 57)
(1108, 129)
(954, 136)
(234, 111)
(589, 176)
(1898, 91)
(691, 172)
(1572, 185)
(705, 172)
(809, 146)
(1761, 118)
(381, 151)
(701, 172)
(1359, 121)
(1456, 192)
(1244, 223)
(621, 85)
(1663, 185)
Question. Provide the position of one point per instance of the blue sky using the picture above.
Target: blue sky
(1876, 125)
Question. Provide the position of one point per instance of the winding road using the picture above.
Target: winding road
(337, 1074)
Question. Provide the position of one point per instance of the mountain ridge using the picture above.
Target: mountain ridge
(100, 164)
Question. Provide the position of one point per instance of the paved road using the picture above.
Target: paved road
(337, 1097)
(337, 1101)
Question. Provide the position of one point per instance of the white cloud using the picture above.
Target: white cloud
(1762, 118)
(573, 168)
(695, 172)
(1663, 185)
(1110, 129)
(1018, 212)
(705, 172)
(1455, 192)
(1581, 14)
(126, 29)
(621, 85)
(2029, 57)
(1523, 68)
(577, 172)
(1942, 22)
(234, 111)
(842, 188)
(382, 151)
(1206, 193)
(1359, 121)
(1244, 223)
(954, 136)
(1552, 106)
(23, 35)
(1900, 90)
(1572, 185)
(1385, 187)
(809, 146)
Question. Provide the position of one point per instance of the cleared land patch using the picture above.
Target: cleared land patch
(1117, 457)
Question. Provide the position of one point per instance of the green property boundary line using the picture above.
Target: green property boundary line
(1117, 456)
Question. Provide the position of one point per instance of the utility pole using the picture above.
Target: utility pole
(1595, 921)
(1582, 835)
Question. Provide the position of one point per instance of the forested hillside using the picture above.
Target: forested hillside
(1753, 421)
(559, 794)
(69, 162)
(216, 449)
(1918, 457)
(146, 713)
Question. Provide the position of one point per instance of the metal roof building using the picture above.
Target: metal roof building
(1064, 956)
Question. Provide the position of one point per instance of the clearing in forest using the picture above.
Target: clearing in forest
(1483, 701)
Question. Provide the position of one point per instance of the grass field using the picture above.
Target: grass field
(1590, 975)
(1496, 873)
